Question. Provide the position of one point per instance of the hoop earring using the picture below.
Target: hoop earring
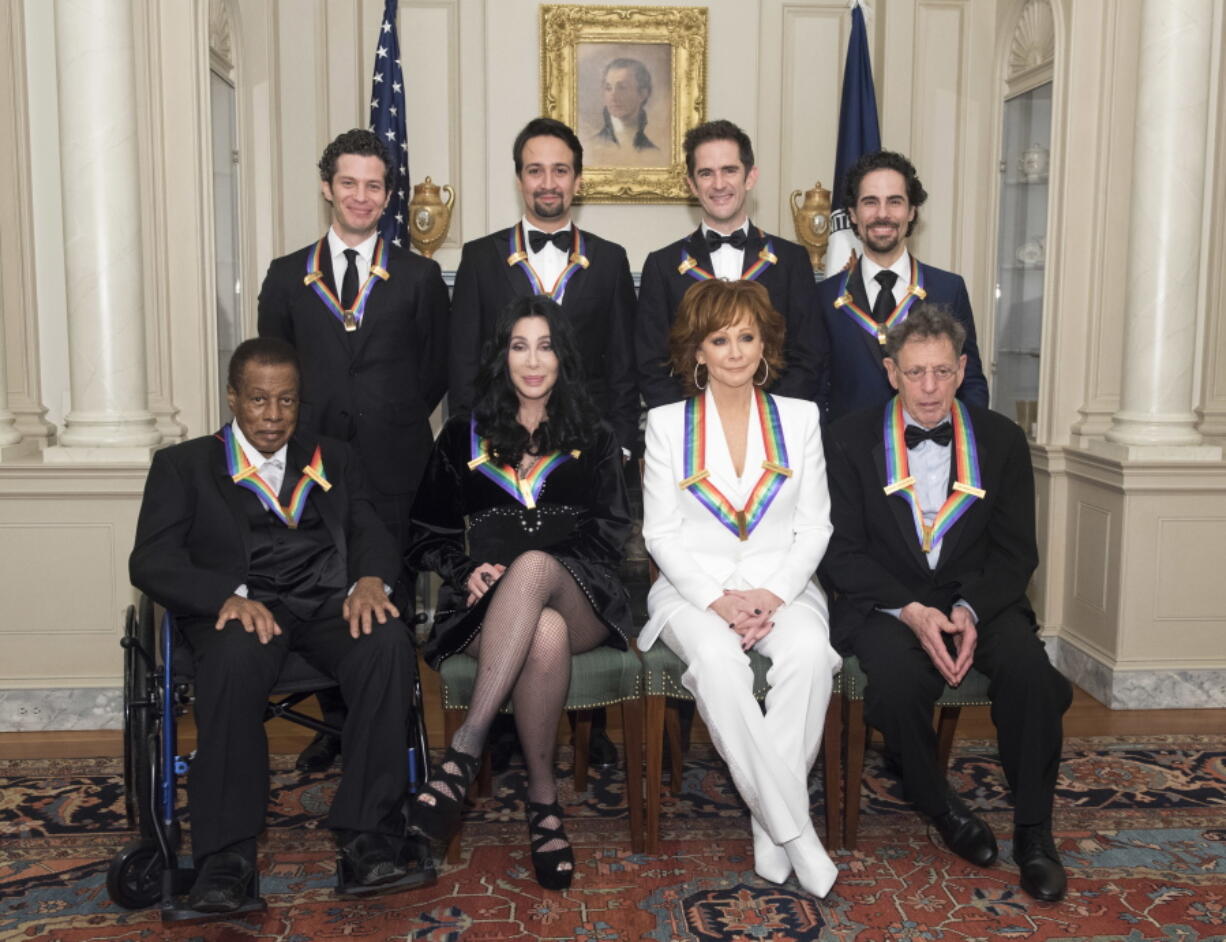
(766, 376)
(696, 385)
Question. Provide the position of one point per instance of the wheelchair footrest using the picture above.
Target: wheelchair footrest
(178, 883)
(177, 910)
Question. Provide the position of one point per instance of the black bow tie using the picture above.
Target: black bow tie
(538, 240)
(737, 239)
(943, 434)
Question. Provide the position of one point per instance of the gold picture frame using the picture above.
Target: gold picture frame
(586, 52)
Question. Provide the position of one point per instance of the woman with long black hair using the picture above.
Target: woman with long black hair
(531, 579)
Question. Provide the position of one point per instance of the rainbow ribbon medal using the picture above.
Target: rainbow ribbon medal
(519, 256)
(526, 489)
(766, 258)
(915, 291)
(697, 480)
(967, 487)
(244, 474)
(350, 319)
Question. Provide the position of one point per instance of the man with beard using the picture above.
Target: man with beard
(720, 172)
(546, 253)
(878, 288)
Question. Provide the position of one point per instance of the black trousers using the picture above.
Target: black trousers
(395, 510)
(1029, 698)
(228, 783)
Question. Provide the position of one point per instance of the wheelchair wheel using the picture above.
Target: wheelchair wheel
(139, 708)
(134, 879)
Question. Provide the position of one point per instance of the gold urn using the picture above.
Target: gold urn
(429, 216)
(812, 220)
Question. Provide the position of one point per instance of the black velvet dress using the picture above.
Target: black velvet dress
(581, 518)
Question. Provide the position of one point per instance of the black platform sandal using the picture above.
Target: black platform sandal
(554, 868)
(435, 812)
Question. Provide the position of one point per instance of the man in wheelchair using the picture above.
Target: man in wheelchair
(263, 542)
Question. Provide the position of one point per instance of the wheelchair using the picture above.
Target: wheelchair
(157, 689)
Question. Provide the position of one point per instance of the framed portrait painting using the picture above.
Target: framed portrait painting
(631, 81)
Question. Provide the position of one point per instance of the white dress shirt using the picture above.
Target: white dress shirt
(872, 287)
(726, 262)
(549, 262)
(272, 470)
(929, 464)
(340, 261)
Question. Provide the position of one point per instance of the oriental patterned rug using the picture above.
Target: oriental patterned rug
(1141, 825)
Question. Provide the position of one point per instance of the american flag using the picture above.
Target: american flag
(387, 120)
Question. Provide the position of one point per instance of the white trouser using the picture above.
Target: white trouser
(768, 755)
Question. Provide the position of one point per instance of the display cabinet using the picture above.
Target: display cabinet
(1021, 250)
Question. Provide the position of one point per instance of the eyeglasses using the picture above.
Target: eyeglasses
(943, 374)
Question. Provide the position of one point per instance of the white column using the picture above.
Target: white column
(1170, 143)
(109, 418)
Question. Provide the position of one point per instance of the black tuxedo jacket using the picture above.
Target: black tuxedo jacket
(857, 378)
(792, 291)
(875, 559)
(377, 386)
(193, 536)
(599, 305)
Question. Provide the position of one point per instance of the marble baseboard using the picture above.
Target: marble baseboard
(1140, 689)
(61, 708)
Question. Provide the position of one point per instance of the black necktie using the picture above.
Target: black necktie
(349, 287)
(943, 434)
(538, 240)
(736, 239)
(883, 307)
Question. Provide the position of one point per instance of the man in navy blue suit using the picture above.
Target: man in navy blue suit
(879, 287)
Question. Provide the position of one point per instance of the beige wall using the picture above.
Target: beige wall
(472, 68)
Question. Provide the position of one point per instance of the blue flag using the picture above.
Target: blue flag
(858, 134)
(387, 120)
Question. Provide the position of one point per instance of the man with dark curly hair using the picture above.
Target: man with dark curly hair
(879, 287)
(369, 322)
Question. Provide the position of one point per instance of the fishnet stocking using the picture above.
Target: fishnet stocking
(537, 619)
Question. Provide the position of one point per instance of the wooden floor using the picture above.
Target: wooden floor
(1086, 717)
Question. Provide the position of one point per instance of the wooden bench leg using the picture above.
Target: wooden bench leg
(582, 742)
(676, 748)
(832, 767)
(632, 731)
(653, 721)
(947, 725)
(853, 710)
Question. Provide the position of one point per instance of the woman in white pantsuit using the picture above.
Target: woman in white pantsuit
(736, 515)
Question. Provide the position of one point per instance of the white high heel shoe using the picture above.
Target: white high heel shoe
(815, 871)
(770, 860)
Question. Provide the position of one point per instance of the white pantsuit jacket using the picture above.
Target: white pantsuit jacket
(697, 555)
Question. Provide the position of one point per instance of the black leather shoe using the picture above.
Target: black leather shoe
(320, 754)
(1034, 852)
(371, 859)
(965, 833)
(601, 753)
(369, 862)
(223, 883)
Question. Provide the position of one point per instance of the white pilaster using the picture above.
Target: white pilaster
(110, 418)
(11, 444)
(1155, 419)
